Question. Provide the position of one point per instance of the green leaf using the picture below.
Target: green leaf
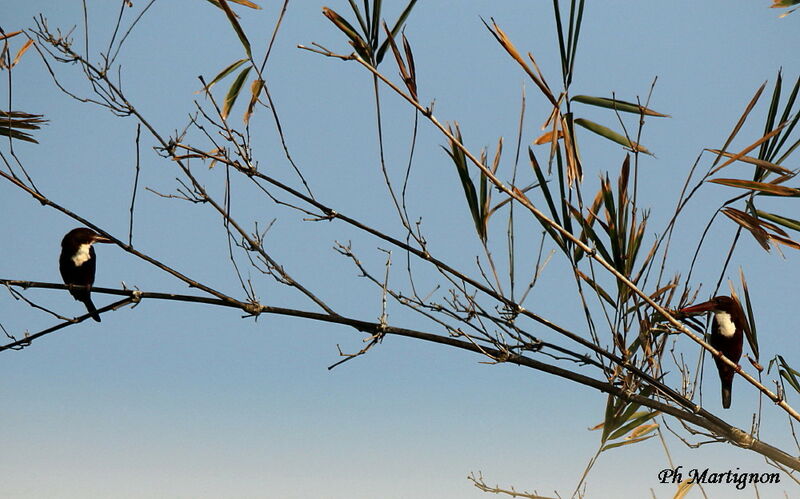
(626, 442)
(398, 25)
(233, 92)
(460, 161)
(222, 74)
(786, 372)
(537, 170)
(635, 420)
(589, 231)
(611, 135)
(236, 26)
(619, 105)
(750, 330)
(778, 219)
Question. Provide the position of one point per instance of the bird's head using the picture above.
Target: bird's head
(80, 236)
(716, 304)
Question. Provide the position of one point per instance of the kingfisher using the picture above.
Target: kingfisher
(726, 336)
(78, 262)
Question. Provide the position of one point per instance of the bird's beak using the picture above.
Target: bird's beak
(100, 239)
(698, 309)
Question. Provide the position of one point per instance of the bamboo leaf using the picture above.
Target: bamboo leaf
(9, 35)
(236, 26)
(778, 219)
(777, 190)
(537, 170)
(611, 135)
(233, 91)
(21, 51)
(255, 91)
(750, 332)
(754, 161)
(592, 284)
(246, 3)
(683, 488)
(778, 142)
(574, 168)
(742, 118)
(460, 161)
(626, 442)
(547, 137)
(618, 105)
(357, 42)
(786, 372)
(749, 148)
(508, 45)
(396, 29)
(12, 121)
(16, 134)
(222, 74)
(598, 243)
(749, 223)
(785, 241)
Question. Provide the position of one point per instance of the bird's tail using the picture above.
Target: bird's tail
(90, 307)
(726, 394)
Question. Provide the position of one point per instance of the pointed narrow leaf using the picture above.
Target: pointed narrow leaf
(236, 27)
(786, 372)
(547, 137)
(611, 135)
(778, 219)
(633, 421)
(749, 223)
(21, 51)
(222, 74)
(619, 105)
(749, 148)
(752, 336)
(233, 91)
(626, 442)
(592, 284)
(396, 29)
(754, 161)
(785, 241)
(246, 3)
(255, 90)
(777, 190)
(742, 119)
(9, 35)
(460, 161)
(537, 170)
(358, 43)
(683, 488)
(598, 243)
(16, 134)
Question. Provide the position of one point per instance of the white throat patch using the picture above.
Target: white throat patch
(725, 325)
(82, 255)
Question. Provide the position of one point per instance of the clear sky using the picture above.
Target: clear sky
(181, 400)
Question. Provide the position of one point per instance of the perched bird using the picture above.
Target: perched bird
(77, 264)
(726, 336)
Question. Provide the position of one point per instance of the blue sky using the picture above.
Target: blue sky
(180, 400)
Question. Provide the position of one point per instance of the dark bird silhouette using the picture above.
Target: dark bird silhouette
(78, 263)
(727, 329)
